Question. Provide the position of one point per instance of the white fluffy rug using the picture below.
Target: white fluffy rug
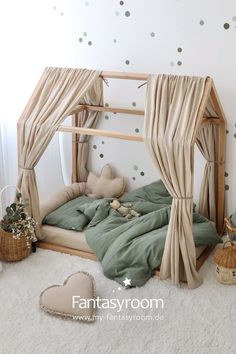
(194, 321)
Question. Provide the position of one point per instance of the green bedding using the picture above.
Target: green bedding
(133, 248)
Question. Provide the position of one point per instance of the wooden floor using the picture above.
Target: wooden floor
(74, 252)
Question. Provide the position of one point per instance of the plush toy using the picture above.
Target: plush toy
(125, 209)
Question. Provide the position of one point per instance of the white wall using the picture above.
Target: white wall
(38, 34)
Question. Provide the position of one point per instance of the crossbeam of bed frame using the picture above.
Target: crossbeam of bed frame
(210, 91)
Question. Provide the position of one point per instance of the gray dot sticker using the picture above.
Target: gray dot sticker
(86, 3)
(106, 105)
(201, 23)
(127, 13)
(80, 40)
(121, 3)
(117, 13)
(127, 62)
(226, 187)
(179, 63)
(135, 167)
(62, 14)
(152, 34)
(114, 40)
(94, 147)
(136, 130)
(89, 43)
(103, 142)
(133, 178)
(106, 117)
(179, 50)
(142, 173)
(101, 155)
(226, 25)
(134, 104)
(226, 174)
(172, 63)
(85, 34)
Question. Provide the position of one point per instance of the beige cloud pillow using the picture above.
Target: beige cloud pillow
(70, 300)
(105, 185)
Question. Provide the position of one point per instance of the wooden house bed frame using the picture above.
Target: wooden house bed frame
(210, 91)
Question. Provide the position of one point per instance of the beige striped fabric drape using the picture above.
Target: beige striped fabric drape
(58, 92)
(170, 126)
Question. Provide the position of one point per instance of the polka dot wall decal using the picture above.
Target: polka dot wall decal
(114, 40)
(134, 104)
(142, 173)
(201, 23)
(227, 132)
(179, 50)
(89, 43)
(106, 105)
(226, 174)
(54, 7)
(86, 3)
(127, 62)
(117, 13)
(101, 155)
(172, 63)
(121, 3)
(127, 13)
(106, 117)
(80, 40)
(135, 167)
(136, 130)
(152, 34)
(226, 25)
(179, 63)
(226, 187)
(94, 147)
(133, 178)
(85, 34)
(62, 14)
(103, 142)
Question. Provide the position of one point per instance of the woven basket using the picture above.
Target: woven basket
(225, 259)
(12, 249)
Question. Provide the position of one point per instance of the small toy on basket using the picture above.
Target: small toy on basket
(225, 259)
(17, 231)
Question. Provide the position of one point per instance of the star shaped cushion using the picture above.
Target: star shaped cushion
(105, 185)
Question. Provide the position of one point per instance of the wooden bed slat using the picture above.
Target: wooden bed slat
(98, 132)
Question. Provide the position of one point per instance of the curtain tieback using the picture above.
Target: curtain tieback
(183, 198)
(26, 168)
(219, 162)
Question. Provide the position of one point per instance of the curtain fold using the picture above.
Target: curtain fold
(87, 119)
(207, 139)
(171, 120)
(58, 92)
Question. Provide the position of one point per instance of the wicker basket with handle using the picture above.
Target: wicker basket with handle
(12, 249)
(225, 259)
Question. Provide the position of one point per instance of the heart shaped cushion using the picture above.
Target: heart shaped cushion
(73, 299)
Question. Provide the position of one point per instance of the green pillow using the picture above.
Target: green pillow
(204, 233)
(68, 217)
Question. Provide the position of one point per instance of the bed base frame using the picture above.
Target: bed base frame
(210, 92)
(87, 255)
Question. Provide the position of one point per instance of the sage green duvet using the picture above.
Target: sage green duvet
(133, 248)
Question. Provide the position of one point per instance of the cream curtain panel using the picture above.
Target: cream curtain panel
(58, 92)
(86, 119)
(170, 126)
(207, 139)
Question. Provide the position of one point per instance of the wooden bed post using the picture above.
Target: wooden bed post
(221, 157)
(75, 137)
